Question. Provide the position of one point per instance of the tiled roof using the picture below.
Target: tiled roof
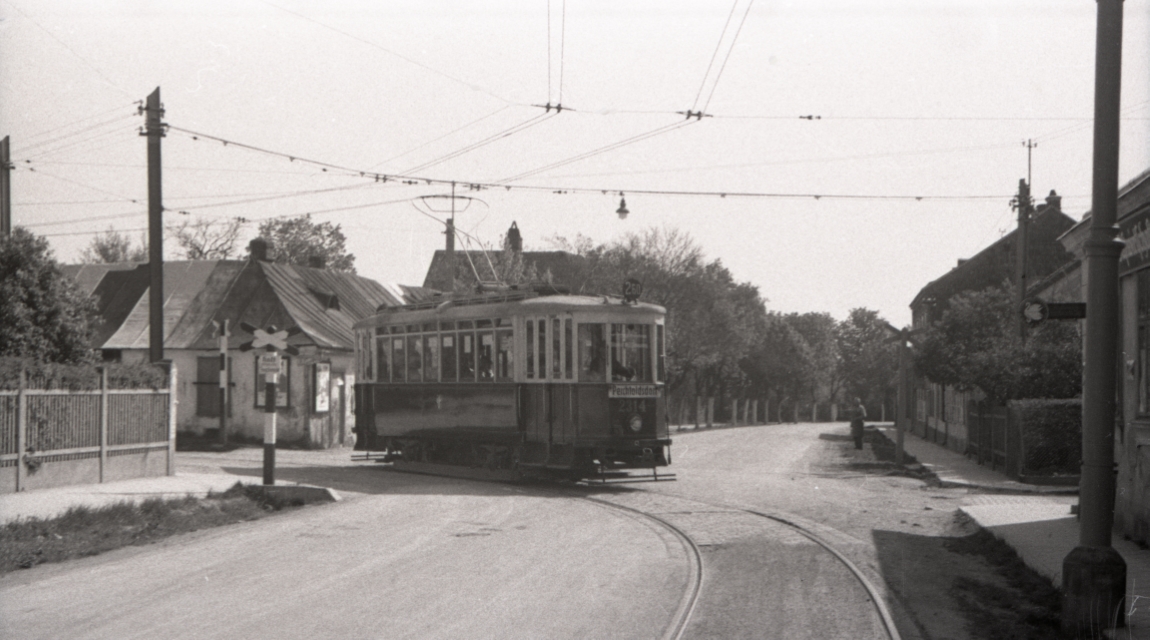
(468, 263)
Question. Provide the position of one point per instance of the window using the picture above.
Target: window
(631, 352)
(449, 371)
(466, 356)
(660, 354)
(557, 349)
(486, 355)
(592, 353)
(283, 384)
(208, 386)
(505, 355)
(431, 358)
(542, 351)
(1143, 365)
(398, 358)
(530, 349)
(365, 351)
(568, 347)
(414, 358)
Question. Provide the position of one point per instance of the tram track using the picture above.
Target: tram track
(693, 592)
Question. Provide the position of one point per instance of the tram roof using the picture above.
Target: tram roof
(507, 303)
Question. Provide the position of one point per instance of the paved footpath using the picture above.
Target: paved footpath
(1035, 521)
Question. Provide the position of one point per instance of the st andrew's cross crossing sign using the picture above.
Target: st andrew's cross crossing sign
(270, 339)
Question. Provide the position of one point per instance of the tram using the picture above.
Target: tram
(529, 381)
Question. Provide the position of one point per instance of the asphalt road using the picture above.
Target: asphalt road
(407, 556)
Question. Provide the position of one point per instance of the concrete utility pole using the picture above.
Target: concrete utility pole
(1094, 574)
(5, 190)
(1022, 244)
(154, 130)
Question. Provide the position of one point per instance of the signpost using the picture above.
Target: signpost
(1036, 310)
(273, 342)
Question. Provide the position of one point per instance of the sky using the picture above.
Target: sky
(849, 154)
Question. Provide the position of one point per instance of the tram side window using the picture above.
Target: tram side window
(592, 353)
(557, 349)
(449, 359)
(505, 351)
(542, 348)
(365, 349)
(382, 351)
(467, 357)
(398, 361)
(568, 348)
(530, 352)
(431, 358)
(414, 358)
(661, 353)
(631, 352)
(486, 356)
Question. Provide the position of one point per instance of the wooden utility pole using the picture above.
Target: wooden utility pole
(1022, 203)
(154, 130)
(5, 190)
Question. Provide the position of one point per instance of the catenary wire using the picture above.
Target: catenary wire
(731, 49)
(714, 55)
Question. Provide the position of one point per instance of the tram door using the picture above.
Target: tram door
(550, 405)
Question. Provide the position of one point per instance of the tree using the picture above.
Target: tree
(820, 331)
(779, 362)
(297, 240)
(869, 360)
(113, 246)
(44, 315)
(208, 239)
(975, 345)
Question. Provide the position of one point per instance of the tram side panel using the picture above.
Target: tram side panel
(443, 412)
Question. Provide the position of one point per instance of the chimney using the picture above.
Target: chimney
(1054, 201)
(258, 248)
(316, 262)
(514, 240)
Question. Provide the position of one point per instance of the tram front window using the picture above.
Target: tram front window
(631, 353)
(592, 353)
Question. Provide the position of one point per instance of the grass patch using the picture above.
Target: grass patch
(1023, 605)
(84, 531)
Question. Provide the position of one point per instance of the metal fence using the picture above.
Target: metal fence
(50, 437)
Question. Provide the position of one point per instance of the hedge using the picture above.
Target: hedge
(1051, 432)
(46, 375)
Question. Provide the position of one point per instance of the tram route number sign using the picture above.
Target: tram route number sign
(632, 289)
(633, 391)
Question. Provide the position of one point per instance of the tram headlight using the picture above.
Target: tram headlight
(636, 423)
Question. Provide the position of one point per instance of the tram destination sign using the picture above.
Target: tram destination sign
(633, 391)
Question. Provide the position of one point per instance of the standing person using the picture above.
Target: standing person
(858, 415)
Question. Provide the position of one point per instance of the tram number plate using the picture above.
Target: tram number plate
(633, 391)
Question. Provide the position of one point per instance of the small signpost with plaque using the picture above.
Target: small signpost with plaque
(268, 364)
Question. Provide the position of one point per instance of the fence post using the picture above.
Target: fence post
(21, 428)
(698, 411)
(710, 411)
(755, 411)
(172, 402)
(103, 421)
(734, 412)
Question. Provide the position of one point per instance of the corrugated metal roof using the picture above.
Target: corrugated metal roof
(325, 304)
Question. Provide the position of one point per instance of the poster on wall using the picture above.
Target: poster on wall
(322, 386)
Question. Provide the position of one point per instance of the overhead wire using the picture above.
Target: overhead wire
(714, 55)
(449, 133)
(28, 147)
(594, 152)
(375, 45)
(730, 49)
(508, 132)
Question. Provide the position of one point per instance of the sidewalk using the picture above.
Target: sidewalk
(1035, 521)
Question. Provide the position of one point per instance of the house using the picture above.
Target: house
(450, 268)
(1132, 437)
(314, 404)
(940, 412)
